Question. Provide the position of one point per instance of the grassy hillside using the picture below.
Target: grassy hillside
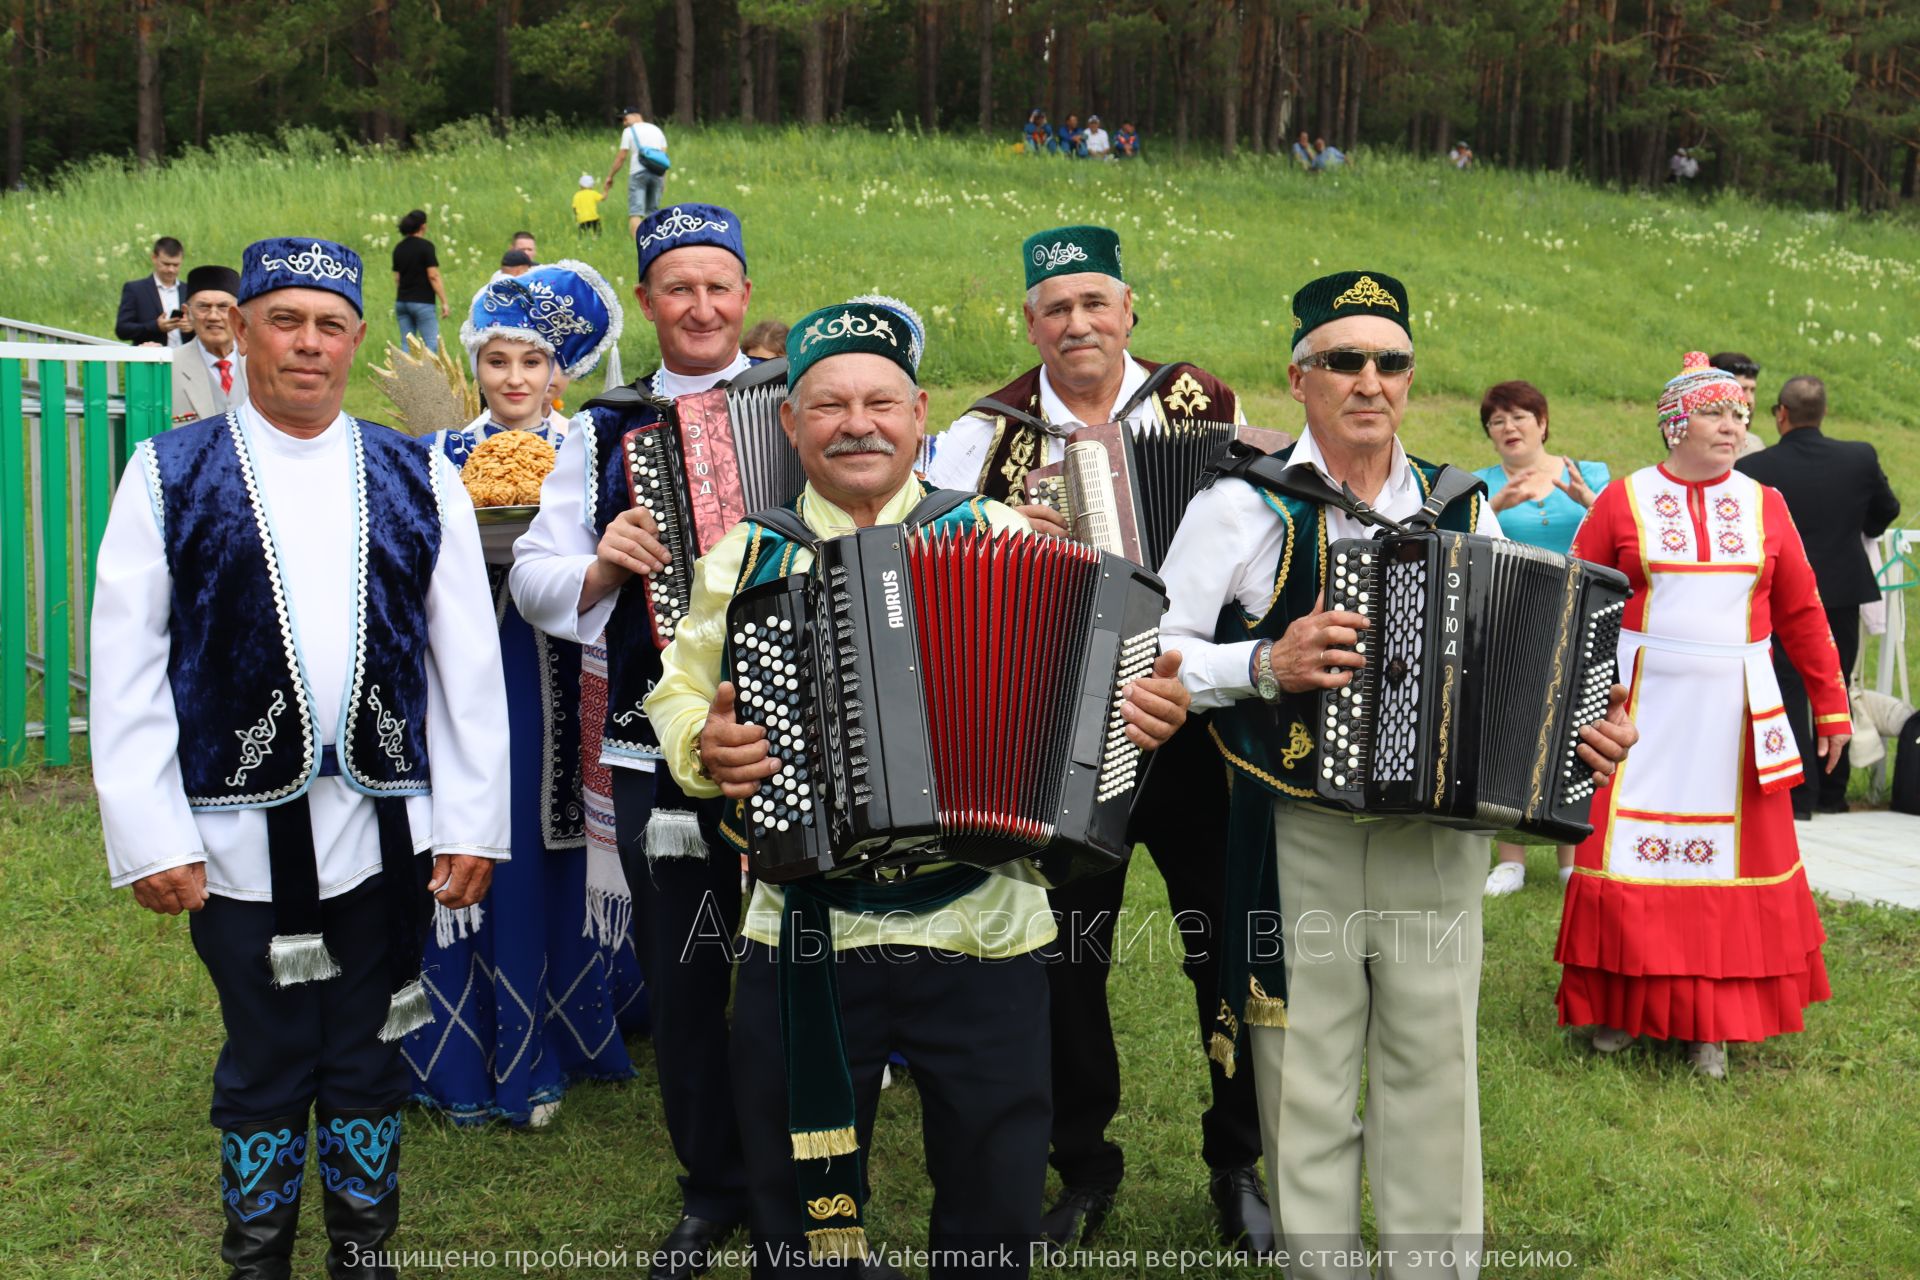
(1590, 294)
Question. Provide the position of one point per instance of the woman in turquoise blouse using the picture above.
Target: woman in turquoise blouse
(1541, 498)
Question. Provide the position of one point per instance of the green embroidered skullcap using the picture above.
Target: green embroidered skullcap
(1350, 293)
(1066, 251)
(873, 324)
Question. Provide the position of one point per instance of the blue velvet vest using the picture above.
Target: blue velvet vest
(1270, 744)
(249, 729)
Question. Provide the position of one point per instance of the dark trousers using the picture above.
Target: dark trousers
(686, 912)
(1817, 789)
(288, 1047)
(976, 1033)
(1181, 817)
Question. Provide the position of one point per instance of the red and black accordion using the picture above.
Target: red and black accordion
(1123, 488)
(939, 696)
(711, 459)
(1485, 659)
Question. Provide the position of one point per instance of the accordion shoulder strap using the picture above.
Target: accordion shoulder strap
(989, 405)
(1154, 382)
(1449, 486)
(766, 373)
(937, 503)
(628, 398)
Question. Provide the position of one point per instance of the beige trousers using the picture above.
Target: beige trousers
(1381, 922)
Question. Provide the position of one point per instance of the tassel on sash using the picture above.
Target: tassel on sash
(301, 957)
(674, 833)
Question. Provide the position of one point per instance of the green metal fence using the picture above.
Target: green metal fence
(71, 410)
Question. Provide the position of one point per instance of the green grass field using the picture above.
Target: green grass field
(1801, 1165)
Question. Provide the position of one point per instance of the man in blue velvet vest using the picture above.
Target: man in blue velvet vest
(569, 576)
(1378, 920)
(292, 630)
(943, 965)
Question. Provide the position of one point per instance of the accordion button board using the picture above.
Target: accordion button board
(1484, 660)
(945, 697)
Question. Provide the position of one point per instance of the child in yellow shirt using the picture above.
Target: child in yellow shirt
(586, 205)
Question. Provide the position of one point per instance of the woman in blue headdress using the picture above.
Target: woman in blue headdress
(535, 987)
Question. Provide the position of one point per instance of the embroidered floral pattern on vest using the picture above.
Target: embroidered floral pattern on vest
(256, 743)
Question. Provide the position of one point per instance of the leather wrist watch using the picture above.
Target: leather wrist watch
(1265, 682)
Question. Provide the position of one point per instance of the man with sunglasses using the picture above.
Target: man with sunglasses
(1079, 314)
(1349, 940)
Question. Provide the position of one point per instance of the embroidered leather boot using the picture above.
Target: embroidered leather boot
(262, 1167)
(360, 1166)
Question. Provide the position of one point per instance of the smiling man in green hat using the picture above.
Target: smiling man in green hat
(1378, 919)
(942, 964)
(1079, 312)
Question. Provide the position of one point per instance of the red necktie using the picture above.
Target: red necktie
(226, 376)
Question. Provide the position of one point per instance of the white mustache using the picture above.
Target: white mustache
(1077, 344)
(859, 444)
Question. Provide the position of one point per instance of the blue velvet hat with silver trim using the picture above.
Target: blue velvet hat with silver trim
(566, 308)
(300, 262)
(681, 226)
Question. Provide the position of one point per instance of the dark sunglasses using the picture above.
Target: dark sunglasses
(1351, 360)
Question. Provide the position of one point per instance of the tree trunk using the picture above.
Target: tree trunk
(745, 35)
(1182, 92)
(1354, 95)
(147, 141)
(379, 59)
(842, 57)
(684, 107)
(926, 57)
(1513, 112)
(642, 94)
(769, 83)
(813, 73)
(986, 66)
(503, 18)
(16, 95)
(1228, 35)
(1261, 85)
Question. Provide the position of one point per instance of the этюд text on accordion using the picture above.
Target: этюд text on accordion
(1484, 660)
(944, 696)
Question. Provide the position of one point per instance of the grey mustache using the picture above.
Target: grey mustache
(859, 444)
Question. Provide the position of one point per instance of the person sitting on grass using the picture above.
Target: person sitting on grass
(1126, 143)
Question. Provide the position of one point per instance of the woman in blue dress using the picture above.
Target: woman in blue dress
(537, 986)
(1540, 498)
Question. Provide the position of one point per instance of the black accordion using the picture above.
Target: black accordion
(712, 458)
(1123, 488)
(944, 697)
(1485, 659)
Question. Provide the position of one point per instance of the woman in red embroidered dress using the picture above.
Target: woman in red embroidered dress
(1689, 917)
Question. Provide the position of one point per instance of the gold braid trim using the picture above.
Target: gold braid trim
(1220, 1049)
(1264, 1010)
(753, 558)
(848, 1244)
(1286, 558)
(819, 1144)
(1257, 772)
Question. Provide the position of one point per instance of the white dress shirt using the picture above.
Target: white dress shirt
(960, 452)
(169, 302)
(551, 559)
(1226, 551)
(306, 485)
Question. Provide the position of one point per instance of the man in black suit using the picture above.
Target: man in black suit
(150, 306)
(1837, 494)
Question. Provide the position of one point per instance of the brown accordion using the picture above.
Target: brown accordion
(711, 459)
(941, 696)
(1123, 488)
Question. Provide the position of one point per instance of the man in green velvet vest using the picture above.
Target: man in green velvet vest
(943, 964)
(1349, 940)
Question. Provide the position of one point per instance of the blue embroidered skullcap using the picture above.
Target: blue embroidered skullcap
(564, 308)
(873, 324)
(681, 226)
(300, 262)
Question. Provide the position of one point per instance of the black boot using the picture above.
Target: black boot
(261, 1168)
(360, 1166)
(1245, 1221)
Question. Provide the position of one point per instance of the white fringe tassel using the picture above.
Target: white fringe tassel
(300, 957)
(674, 833)
(406, 1011)
(609, 916)
(449, 925)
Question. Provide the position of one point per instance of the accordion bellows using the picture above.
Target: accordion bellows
(944, 696)
(1485, 659)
